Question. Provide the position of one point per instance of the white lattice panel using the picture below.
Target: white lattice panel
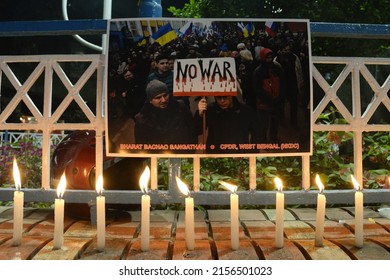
(47, 120)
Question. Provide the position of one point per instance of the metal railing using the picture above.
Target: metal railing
(47, 121)
(14, 137)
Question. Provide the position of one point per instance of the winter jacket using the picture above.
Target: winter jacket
(172, 125)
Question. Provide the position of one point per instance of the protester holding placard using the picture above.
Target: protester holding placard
(232, 127)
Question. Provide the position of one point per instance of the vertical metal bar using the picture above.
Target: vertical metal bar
(99, 122)
(357, 123)
(107, 7)
(196, 170)
(45, 159)
(305, 172)
(252, 173)
(174, 170)
(46, 126)
(358, 157)
(154, 173)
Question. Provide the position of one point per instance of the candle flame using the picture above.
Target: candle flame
(356, 184)
(61, 186)
(99, 185)
(182, 186)
(16, 172)
(144, 180)
(320, 185)
(278, 184)
(230, 187)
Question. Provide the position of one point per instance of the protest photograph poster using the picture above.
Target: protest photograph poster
(208, 87)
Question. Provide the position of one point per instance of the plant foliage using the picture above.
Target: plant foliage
(28, 155)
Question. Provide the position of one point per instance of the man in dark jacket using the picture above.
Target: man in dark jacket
(292, 68)
(231, 126)
(163, 120)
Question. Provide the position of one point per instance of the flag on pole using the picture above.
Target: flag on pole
(142, 42)
(240, 28)
(270, 28)
(249, 29)
(186, 29)
(165, 34)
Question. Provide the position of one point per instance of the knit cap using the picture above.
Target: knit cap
(154, 88)
(264, 52)
(241, 46)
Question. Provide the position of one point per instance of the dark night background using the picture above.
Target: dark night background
(31, 10)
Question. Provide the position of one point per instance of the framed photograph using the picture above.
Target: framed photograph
(208, 87)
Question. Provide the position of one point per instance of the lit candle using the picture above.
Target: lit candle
(145, 209)
(100, 215)
(320, 219)
(358, 213)
(18, 207)
(189, 215)
(234, 223)
(279, 238)
(59, 214)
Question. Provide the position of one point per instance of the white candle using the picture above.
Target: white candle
(59, 215)
(145, 210)
(189, 224)
(100, 215)
(235, 242)
(234, 216)
(320, 217)
(18, 207)
(189, 215)
(58, 223)
(18, 218)
(145, 222)
(358, 214)
(279, 223)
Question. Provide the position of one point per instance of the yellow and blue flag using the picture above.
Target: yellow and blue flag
(249, 29)
(164, 34)
(142, 42)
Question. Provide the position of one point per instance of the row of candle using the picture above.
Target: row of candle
(189, 213)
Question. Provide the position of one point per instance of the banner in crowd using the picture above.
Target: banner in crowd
(205, 77)
(208, 87)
